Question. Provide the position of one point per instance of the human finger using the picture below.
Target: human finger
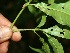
(4, 47)
(16, 35)
(3, 21)
(5, 33)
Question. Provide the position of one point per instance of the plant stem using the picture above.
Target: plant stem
(18, 15)
(28, 30)
(37, 34)
(46, 34)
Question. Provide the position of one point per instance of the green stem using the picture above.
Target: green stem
(18, 15)
(37, 34)
(16, 19)
(28, 30)
(32, 4)
(46, 34)
(15, 30)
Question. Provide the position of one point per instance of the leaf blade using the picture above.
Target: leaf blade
(37, 50)
(57, 47)
(51, 1)
(43, 20)
(56, 31)
(45, 46)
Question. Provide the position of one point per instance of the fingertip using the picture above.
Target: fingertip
(16, 36)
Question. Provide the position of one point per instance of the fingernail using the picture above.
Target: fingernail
(5, 33)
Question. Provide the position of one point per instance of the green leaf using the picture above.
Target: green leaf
(66, 33)
(43, 20)
(45, 46)
(57, 47)
(51, 1)
(38, 20)
(37, 50)
(33, 10)
(56, 31)
(60, 14)
(30, 0)
(26, 0)
(66, 5)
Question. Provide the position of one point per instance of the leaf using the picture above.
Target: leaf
(57, 47)
(26, 0)
(51, 1)
(38, 20)
(37, 50)
(30, 0)
(66, 33)
(33, 10)
(66, 5)
(60, 14)
(56, 31)
(43, 20)
(45, 46)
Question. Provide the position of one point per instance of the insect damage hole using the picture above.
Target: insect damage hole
(48, 8)
(48, 4)
(51, 29)
(62, 7)
(62, 33)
